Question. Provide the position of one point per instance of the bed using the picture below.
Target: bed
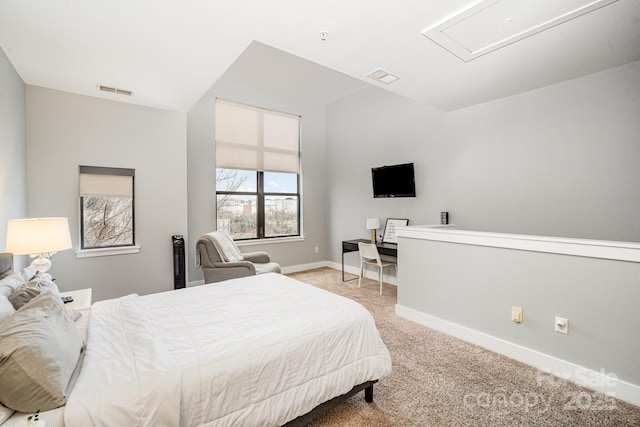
(264, 350)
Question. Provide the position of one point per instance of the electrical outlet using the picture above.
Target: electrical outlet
(315, 249)
(562, 325)
(516, 314)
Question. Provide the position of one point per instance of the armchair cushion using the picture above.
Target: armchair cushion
(228, 270)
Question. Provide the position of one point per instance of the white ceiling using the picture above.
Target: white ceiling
(170, 52)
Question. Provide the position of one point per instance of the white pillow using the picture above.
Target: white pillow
(10, 283)
(6, 310)
(27, 273)
(5, 414)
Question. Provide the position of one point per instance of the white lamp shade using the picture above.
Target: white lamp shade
(373, 223)
(38, 235)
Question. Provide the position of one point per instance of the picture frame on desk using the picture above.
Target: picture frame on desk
(390, 235)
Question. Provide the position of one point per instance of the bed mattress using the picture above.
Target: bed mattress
(256, 351)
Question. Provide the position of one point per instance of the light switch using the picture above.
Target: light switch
(516, 314)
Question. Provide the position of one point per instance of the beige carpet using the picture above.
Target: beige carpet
(439, 380)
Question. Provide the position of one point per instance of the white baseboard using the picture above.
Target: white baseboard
(598, 381)
(304, 267)
(337, 266)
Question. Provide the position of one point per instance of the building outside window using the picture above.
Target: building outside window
(106, 207)
(258, 172)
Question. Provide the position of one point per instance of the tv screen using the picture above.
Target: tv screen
(394, 181)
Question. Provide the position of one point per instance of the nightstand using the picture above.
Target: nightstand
(81, 298)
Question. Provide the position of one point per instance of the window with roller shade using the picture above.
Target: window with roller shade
(257, 171)
(106, 207)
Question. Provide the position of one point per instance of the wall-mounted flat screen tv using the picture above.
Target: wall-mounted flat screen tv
(394, 181)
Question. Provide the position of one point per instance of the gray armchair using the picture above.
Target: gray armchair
(220, 259)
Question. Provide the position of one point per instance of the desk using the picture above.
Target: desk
(389, 249)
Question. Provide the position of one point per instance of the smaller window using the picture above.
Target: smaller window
(106, 207)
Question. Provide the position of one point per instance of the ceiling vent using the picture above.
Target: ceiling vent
(115, 90)
(383, 76)
(493, 24)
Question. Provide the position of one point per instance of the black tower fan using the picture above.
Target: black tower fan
(179, 274)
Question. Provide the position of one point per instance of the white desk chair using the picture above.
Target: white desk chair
(369, 255)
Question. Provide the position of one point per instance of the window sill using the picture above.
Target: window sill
(89, 253)
(269, 241)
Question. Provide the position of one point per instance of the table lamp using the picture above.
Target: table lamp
(373, 224)
(38, 236)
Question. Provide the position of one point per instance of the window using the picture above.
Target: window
(253, 204)
(258, 172)
(106, 207)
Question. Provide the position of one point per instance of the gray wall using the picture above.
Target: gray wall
(13, 149)
(66, 130)
(201, 172)
(475, 286)
(560, 161)
(375, 128)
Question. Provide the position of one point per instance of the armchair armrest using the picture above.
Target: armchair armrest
(257, 257)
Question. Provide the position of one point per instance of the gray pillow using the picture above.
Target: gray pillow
(25, 293)
(39, 350)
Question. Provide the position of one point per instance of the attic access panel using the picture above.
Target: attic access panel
(493, 24)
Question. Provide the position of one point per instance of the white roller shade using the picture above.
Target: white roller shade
(115, 183)
(256, 139)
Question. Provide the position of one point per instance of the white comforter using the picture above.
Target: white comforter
(256, 351)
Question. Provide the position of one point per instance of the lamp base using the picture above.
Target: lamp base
(41, 264)
(373, 236)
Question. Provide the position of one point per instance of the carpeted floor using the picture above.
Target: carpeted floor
(439, 380)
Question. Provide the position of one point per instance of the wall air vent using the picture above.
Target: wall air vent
(383, 76)
(115, 90)
(493, 24)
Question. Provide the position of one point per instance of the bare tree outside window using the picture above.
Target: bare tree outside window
(227, 180)
(236, 202)
(108, 221)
